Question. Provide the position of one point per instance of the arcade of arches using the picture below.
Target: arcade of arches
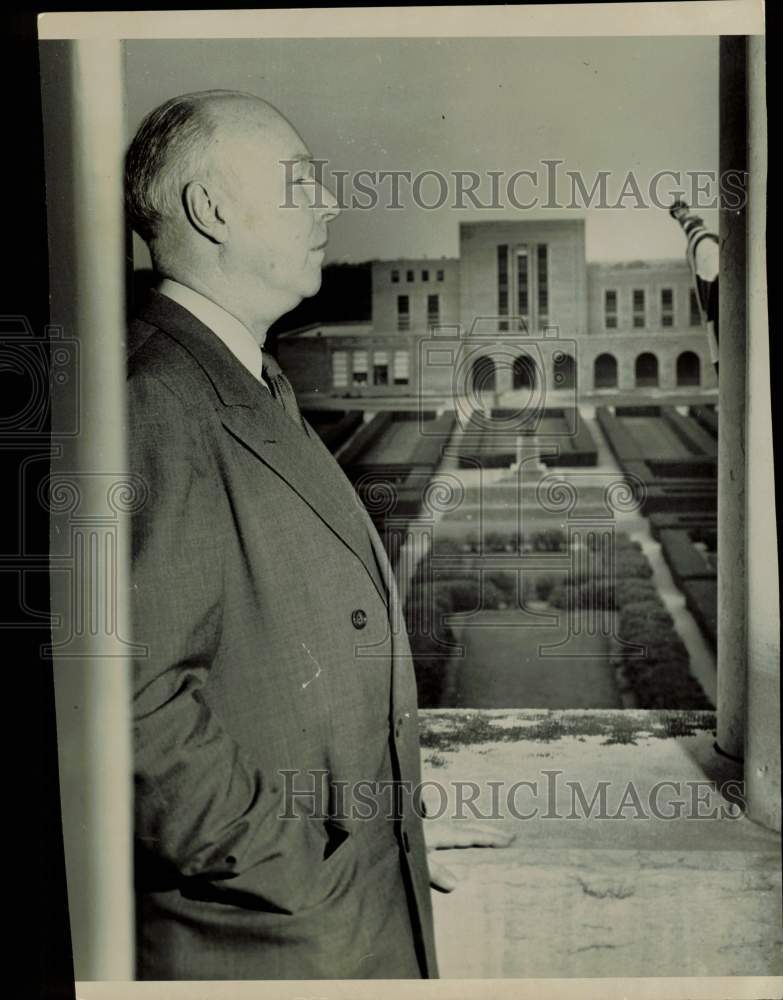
(527, 372)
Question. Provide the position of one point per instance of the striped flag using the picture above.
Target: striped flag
(702, 255)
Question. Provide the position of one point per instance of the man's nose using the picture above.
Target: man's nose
(328, 205)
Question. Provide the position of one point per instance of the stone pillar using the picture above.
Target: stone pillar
(84, 139)
(626, 359)
(667, 367)
(762, 739)
(732, 679)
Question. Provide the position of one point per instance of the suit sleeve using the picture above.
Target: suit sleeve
(201, 805)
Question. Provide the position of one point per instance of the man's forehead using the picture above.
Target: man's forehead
(264, 130)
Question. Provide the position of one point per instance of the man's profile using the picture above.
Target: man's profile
(257, 580)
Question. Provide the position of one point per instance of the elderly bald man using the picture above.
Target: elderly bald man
(276, 750)
(276, 690)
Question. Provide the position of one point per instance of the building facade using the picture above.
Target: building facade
(520, 309)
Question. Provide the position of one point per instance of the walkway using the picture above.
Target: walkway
(504, 666)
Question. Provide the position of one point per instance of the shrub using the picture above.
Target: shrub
(444, 576)
(684, 560)
(544, 585)
(558, 597)
(630, 562)
(595, 594)
(548, 540)
(661, 678)
(465, 595)
(505, 582)
(445, 545)
(708, 535)
(428, 603)
(430, 656)
(701, 598)
(644, 621)
(495, 541)
(632, 590)
(492, 597)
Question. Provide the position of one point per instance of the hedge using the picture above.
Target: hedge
(701, 599)
(622, 443)
(659, 679)
(334, 427)
(578, 450)
(701, 528)
(707, 417)
(365, 436)
(689, 431)
(685, 484)
(684, 561)
(662, 677)
(428, 604)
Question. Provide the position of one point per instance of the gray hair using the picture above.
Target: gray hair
(169, 145)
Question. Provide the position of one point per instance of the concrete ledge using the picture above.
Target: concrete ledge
(612, 890)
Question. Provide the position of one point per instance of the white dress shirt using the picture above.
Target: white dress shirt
(234, 334)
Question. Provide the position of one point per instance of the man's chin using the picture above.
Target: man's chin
(311, 286)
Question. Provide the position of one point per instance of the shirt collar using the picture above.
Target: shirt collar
(234, 334)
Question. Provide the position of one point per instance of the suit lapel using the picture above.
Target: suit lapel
(273, 437)
(249, 412)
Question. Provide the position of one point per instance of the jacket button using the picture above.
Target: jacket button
(358, 618)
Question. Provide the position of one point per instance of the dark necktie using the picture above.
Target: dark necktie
(281, 389)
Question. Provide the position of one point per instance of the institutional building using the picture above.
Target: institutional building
(520, 309)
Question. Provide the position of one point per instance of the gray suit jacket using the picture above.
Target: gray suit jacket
(265, 600)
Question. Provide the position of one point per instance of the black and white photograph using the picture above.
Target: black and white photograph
(408, 466)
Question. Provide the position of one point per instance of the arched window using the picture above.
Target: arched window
(688, 369)
(646, 370)
(483, 373)
(524, 372)
(605, 372)
(564, 371)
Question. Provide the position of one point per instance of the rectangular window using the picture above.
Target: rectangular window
(425, 275)
(639, 319)
(440, 275)
(340, 369)
(433, 310)
(403, 312)
(359, 367)
(610, 309)
(401, 368)
(695, 311)
(409, 275)
(667, 307)
(380, 368)
(523, 304)
(503, 285)
(543, 283)
(395, 277)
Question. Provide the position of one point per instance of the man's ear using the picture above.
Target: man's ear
(203, 212)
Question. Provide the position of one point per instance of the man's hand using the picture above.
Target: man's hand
(441, 835)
